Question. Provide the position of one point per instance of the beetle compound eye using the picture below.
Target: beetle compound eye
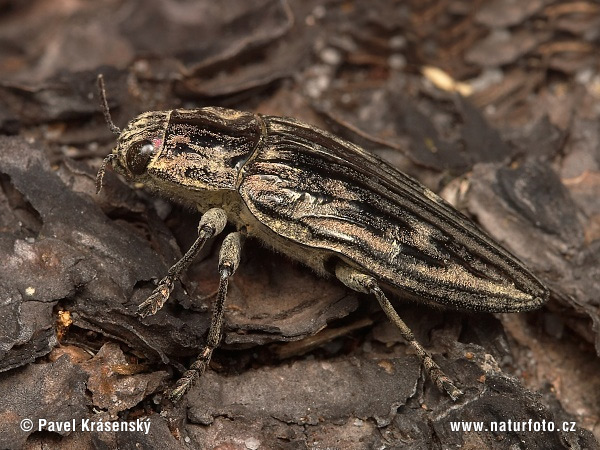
(138, 156)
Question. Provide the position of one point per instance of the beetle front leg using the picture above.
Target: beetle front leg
(211, 223)
(362, 282)
(229, 259)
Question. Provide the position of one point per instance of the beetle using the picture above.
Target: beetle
(322, 201)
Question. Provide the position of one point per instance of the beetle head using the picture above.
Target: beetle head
(137, 143)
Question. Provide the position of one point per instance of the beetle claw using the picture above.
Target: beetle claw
(178, 392)
(448, 387)
(157, 299)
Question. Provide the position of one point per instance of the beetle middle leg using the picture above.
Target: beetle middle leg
(362, 282)
(229, 259)
(211, 223)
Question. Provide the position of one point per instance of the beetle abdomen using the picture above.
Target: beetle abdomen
(319, 191)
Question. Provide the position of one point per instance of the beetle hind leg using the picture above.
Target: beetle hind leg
(361, 282)
(229, 259)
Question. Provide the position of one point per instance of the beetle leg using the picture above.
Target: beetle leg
(211, 223)
(229, 259)
(362, 282)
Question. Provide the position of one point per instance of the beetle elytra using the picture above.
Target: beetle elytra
(322, 201)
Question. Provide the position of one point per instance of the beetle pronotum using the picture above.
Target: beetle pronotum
(322, 201)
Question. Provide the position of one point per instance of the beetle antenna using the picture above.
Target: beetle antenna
(100, 174)
(102, 91)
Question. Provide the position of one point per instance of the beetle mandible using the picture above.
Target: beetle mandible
(322, 201)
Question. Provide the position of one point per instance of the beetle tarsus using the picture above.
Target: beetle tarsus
(190, 376)
(440, 379)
